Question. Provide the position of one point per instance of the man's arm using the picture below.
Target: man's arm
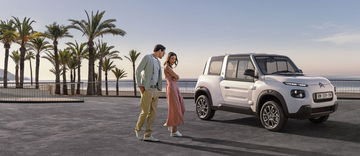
(139, 69)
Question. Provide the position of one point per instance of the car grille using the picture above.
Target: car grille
(322, 109)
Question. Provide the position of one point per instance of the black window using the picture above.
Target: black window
(236, 67)
(215, 65)
(275, 64)
(231, 69)
(250, 66)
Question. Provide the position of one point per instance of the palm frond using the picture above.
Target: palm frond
(119, 73)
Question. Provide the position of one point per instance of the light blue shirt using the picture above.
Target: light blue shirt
(157, 68)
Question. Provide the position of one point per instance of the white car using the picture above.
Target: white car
(270, 87)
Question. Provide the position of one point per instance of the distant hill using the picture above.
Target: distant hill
(11, 76)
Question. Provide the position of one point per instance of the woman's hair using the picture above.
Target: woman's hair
(167, 62)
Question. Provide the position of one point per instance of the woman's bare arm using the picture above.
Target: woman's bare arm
(171, 73)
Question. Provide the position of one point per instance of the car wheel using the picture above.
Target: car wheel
(319, 119)
(203, 108)
(272, 116)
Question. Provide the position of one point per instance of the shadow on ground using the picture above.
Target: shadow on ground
(335, 130)
(241, 148)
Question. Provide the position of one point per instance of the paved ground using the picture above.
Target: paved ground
(104, 126)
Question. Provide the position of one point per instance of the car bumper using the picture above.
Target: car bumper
(306, 112)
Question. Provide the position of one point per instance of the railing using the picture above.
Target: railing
(126, 88)
(347, 88)
(45, 92)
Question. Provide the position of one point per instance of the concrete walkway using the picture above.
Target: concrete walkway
(104, 126)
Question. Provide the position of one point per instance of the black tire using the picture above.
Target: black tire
(319, 119)
(203, 108)
(272, 116)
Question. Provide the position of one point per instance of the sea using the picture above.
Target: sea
(342, 84)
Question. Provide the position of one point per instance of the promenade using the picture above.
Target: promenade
(104, 126)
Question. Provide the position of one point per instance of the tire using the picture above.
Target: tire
(319, 119)
(203, 108)
(272, 116)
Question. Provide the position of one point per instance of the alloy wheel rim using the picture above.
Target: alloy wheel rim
(202, 107)
(270, 116)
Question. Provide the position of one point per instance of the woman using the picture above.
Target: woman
(175, 101)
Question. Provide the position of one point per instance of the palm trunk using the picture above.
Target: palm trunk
(135, 92)
(72, 77)
(7, 47)
(99, 89)
(17, 75)
(37, 68)
(57, 68)
(31, 74)
(117, 87)
(90, 87)
(22, 65)
(79, 78)
(106, 82)
(95, 83)
(64, 81)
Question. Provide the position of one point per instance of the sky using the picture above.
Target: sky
(322, 37)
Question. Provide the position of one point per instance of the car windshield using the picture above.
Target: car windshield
(276, 65)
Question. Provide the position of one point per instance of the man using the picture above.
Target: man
(149, 83)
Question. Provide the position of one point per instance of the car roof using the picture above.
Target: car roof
(250, 54)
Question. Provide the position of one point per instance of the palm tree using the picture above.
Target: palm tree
(104, 51)
(51, 58)
(133, 55)
(107, 66)
(15, 56)
(30, 55)
(8, 35)
(26, 33)
(119, 74)
(72, 64)
(64, 58)
(54, 32)
(80, 52)
(93, 27)
(38, 45)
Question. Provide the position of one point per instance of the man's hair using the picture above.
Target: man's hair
(159, 47)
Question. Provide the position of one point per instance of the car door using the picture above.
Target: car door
(236, 87)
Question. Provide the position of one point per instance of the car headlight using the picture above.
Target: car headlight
(297, 93)
(295, 84)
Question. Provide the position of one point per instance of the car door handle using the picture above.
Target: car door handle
(226, 87)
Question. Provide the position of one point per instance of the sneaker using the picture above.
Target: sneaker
(151, 139)
(137, 134)
(176, 134)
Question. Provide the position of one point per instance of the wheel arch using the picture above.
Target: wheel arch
(268, 95)
(203, 91)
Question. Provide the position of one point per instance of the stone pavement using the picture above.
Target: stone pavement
(104, 126)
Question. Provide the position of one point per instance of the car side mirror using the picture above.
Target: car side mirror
(250, 72)
(300, 71)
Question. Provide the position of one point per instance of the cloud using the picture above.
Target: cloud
(328, 26)
(341, 38)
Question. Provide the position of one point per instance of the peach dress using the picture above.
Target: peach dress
(176, 108)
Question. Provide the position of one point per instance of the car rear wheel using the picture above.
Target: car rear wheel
(319, 119)
(203, 108)
(272, 116)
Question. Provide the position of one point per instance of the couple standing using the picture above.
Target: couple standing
(150, 83)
